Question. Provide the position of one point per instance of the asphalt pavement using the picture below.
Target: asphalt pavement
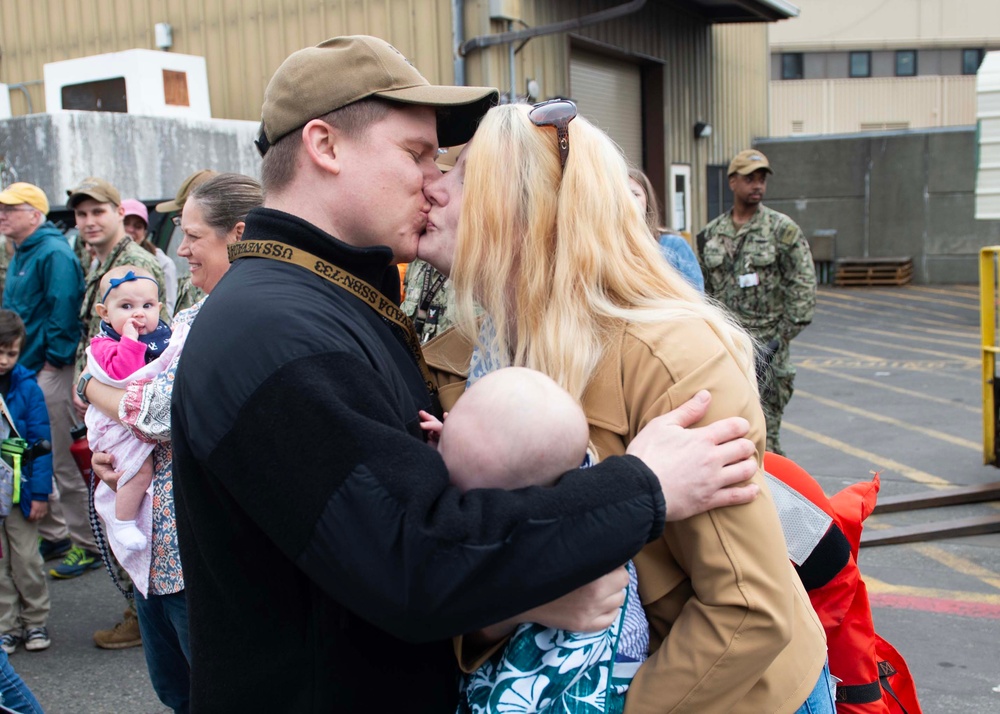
(888, 380)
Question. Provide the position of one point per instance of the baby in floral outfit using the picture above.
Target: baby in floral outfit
(515, 428)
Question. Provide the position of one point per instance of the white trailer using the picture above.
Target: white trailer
(988, 118)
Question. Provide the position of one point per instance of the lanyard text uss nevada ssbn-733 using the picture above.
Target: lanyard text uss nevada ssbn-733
(373, 297)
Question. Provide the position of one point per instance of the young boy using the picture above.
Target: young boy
(515, 428)
(24, 593)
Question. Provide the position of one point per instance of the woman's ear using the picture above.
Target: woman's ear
(236, 233)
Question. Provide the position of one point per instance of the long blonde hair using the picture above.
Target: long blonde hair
(559, 258)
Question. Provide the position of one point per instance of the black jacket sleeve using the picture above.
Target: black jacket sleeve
(366, 511)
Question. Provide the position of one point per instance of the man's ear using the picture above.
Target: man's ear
(101, 310)
(323, 145)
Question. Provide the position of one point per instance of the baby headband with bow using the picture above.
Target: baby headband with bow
(127, 278)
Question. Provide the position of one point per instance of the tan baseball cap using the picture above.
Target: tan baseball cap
(748, 161)
(447, 158)
(315, 81)
(187, 186)
(95, 188)
(21, 192)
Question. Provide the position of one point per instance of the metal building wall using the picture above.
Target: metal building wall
(836, 106)
(717, 74)
(740, 66)
(243, 41)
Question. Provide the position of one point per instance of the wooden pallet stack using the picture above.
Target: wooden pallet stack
(874, 271)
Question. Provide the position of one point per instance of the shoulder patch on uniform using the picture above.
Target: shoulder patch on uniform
(788, 233)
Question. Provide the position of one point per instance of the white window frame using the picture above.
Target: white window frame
(683, 170)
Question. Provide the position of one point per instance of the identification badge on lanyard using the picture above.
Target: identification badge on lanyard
(749, 280)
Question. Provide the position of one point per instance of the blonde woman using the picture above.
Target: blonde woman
(551, 244)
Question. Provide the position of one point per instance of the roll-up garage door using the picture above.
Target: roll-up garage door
(608, 92)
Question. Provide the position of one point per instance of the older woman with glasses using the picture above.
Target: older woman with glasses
(551, 244)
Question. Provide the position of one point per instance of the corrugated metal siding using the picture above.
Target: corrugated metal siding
(740, 65)
(834, 106)
(715, 74)
(243, 41)
(608, 92)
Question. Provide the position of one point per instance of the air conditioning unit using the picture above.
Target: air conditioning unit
(144, 82)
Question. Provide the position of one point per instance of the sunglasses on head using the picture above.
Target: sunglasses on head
(557, 113)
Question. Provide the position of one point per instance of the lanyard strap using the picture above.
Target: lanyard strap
(429, 291)
(284, 253)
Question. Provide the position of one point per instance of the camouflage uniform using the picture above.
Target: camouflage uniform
(435, 319)
(771, 247)
(125, 253)
(187, 294)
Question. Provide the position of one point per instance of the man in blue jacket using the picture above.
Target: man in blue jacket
(45, 287)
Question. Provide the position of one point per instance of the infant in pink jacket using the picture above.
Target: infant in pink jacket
(132, 344)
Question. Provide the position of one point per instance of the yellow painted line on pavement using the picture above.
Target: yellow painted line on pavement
(974, 361)
(873, 311)
(874, 416)
(968, 344)
(875, 460)
(958, 564)
(895, 302)
(880, 587)
(970, 332)
(888, 387)
(874, 362)
(957, 290)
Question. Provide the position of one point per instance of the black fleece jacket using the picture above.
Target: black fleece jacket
(326, 557)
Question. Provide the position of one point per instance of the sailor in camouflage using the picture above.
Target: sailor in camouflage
(757, 262)
(429, 295)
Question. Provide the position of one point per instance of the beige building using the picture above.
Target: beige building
(846, 66)
(681, 85)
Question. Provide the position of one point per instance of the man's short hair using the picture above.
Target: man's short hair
(278, 165)
(11, 328)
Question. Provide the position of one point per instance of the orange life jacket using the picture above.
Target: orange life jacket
(874, 677)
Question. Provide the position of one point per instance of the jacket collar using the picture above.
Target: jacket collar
(44, 231)
(371, 264)
(604, 400)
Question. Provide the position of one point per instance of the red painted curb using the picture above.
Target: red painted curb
(939, 605)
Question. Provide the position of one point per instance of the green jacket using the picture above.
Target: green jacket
(44, 286)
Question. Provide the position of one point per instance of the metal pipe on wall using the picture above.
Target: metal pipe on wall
(457, 38)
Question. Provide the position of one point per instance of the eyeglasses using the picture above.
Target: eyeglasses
(557, 113)
(12, 209)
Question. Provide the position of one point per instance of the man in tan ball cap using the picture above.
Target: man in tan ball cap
(322, 543)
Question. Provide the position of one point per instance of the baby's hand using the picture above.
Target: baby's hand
(131, 329)
(432, 425)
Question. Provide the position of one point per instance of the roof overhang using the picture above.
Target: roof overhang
(720, 11)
